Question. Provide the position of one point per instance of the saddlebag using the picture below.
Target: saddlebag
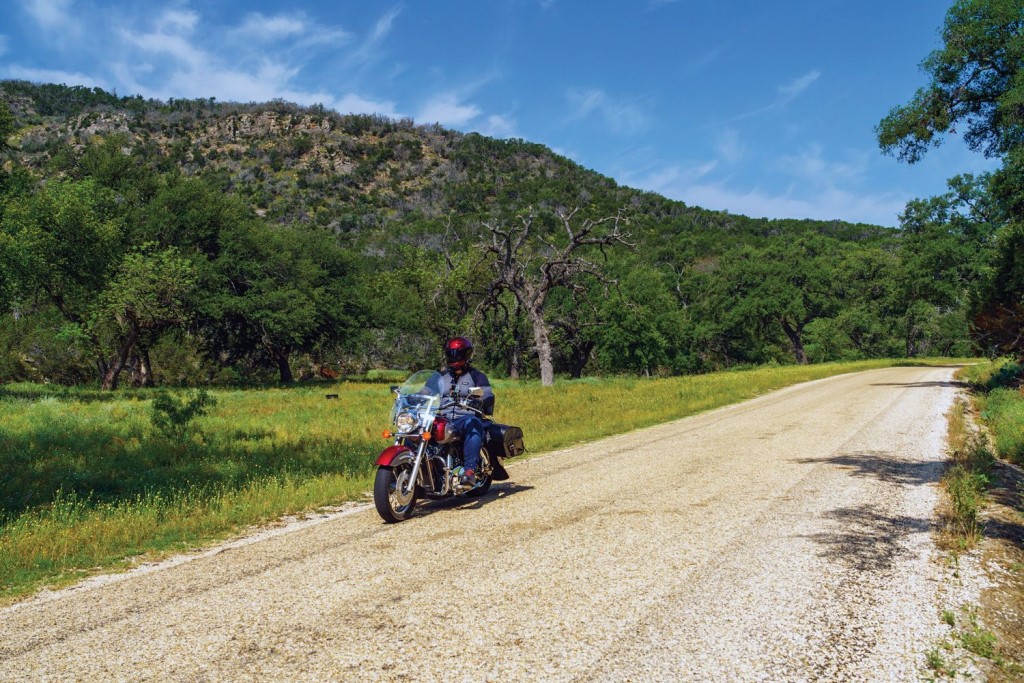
(505, 440)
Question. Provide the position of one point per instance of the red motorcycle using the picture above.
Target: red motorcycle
(426, 458)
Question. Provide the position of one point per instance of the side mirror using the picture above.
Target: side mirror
(394, 388)
(476, 392)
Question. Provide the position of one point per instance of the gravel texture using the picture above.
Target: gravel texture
(787, 538)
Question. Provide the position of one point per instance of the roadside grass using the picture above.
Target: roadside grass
(997, 399)
(1000, 402)
(966, 479)
(88, 480)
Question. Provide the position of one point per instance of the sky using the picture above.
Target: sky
(752, 107)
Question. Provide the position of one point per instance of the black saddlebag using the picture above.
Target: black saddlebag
(504, 440)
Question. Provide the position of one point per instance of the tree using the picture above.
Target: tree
(977, 80)
(945, 245)
(788, 284)
(8, 124)
(280, 290)
(531, 266)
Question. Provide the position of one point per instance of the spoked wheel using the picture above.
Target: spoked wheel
(394, 492)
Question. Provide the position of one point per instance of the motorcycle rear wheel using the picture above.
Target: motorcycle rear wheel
(394, 495)
(481, 488)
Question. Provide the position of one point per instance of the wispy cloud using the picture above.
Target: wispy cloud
(497, 126)
(53, 76)
(789, 91)
(806, 184)
(785, 94)
(728, 146)
(620, 116)
(259, 59)
(830, 205)
(50, 14)
(354, 104)
(446, 109)
(369, 50)
(810, 166)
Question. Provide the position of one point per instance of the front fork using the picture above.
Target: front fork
(413, 478)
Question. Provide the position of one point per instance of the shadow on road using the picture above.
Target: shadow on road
(497, 492)
(882, 466)
(949, 384)
(866, 540)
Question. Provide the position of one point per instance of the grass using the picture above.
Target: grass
(89, 481)
(967, 478)
(1000, 402)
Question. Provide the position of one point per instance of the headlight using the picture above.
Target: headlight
(406, 422)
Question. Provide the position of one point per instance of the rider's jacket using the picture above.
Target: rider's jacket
(452, 387)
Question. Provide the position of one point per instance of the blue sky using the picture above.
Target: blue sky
(758, 108)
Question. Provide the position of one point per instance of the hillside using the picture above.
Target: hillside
(418, 205)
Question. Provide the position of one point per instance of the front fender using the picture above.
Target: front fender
(388, 456)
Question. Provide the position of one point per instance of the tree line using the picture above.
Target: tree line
(157, 255)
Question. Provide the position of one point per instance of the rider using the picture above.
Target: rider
(456, 381)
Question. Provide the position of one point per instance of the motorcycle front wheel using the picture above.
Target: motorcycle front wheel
(394, 492)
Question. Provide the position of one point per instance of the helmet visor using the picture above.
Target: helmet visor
(456, 355)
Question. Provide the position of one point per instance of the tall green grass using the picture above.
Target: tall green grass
(1000, 401)
(88, 481)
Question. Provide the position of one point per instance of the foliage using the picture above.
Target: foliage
(308, 243)
(976, 80)
(174, 417)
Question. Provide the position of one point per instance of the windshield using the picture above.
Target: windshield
(420, 395)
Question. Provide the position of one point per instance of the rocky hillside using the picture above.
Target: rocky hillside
(366, 177)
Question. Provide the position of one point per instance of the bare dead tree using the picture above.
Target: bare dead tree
(530, 266)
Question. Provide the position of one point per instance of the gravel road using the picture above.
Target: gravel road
(787, 538)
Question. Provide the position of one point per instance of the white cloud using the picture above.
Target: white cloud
(267, 29)
(370, 48)
(354, 104)
(50, 14)
(697, 185)
(728, 146)
(833, 204)
(52, 76)
(497, 126)
(283, 28)
(446, 110)
(791, 90)
(810, 166)
(619, 116)
(785, 94)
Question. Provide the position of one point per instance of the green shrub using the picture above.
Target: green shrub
(173, 416)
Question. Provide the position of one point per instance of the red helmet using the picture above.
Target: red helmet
(457, 353)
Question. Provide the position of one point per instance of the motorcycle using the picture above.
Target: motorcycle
(425, 460)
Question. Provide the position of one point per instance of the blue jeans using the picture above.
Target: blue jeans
(471, 429)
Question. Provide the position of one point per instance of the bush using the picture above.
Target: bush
(173, 416)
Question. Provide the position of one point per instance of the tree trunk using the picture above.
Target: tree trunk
(798, 345)
(281, 356)
(580, 359)
(543, 344)
(146, 377)
(515, 361)
(113, 373)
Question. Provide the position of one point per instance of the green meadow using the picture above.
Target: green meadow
(90, 481)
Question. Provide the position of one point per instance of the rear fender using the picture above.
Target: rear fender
(390, 455)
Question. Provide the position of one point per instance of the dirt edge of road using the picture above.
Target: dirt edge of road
(1001, 609)
(985, 588)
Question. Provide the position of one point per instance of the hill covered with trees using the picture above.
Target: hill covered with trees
(193, 241)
